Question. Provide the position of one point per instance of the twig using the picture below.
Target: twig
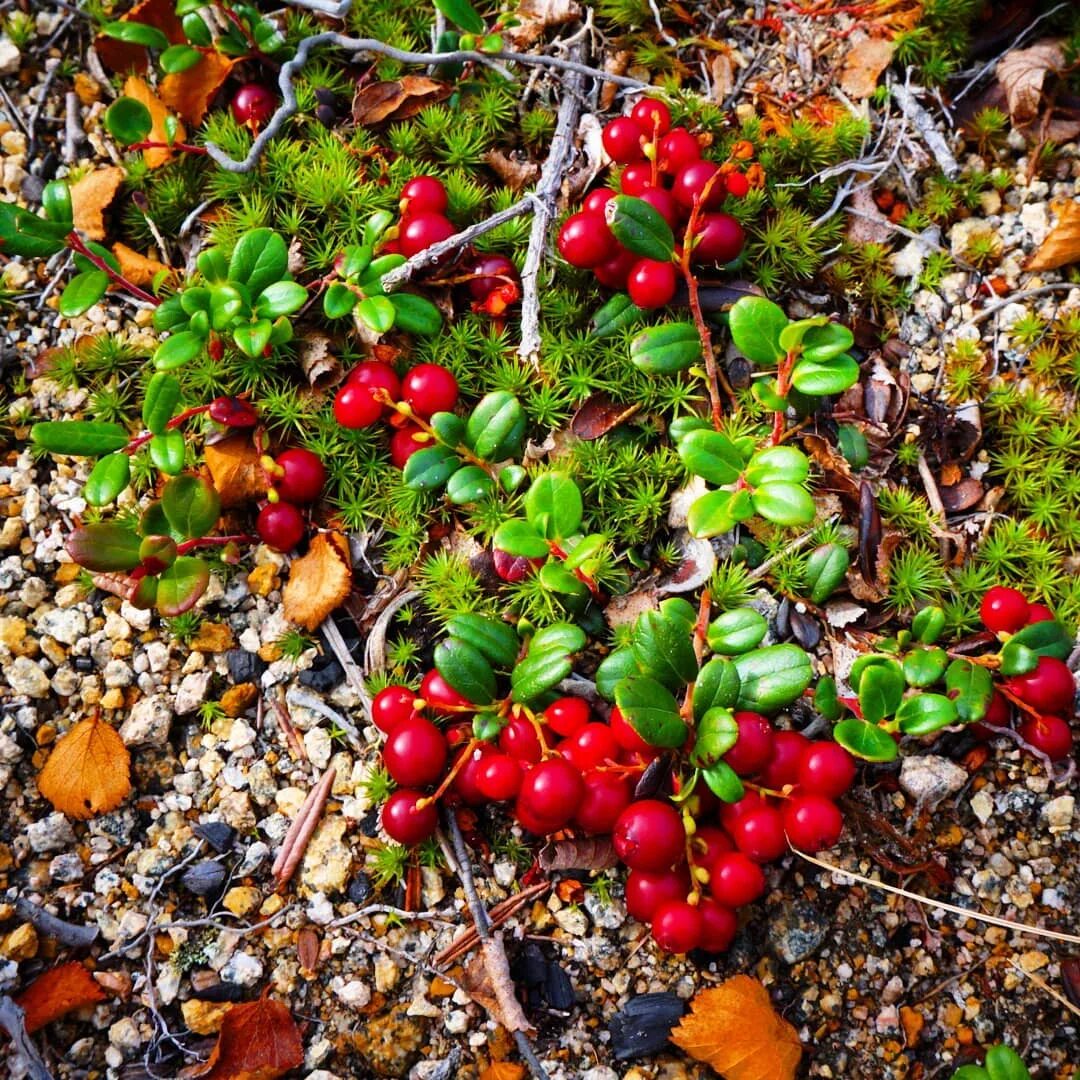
(335, 9)
(547, 191)
(340, 650)
(1042, 984)
(35, 116)
(13, 1021)
(288, 104)
(73, 130)
(285, 723)
(375, 646)
(933, 497)
(300, 831)
(924, 124)
(468, 938)
(798, 543)
(1024, 294)
(77, 937)
(387, 909)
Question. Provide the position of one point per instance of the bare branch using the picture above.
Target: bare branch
(923, 122)
(13, 1021)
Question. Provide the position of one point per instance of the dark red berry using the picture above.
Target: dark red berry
(585, 240)
(651, 283)
(253, 104)
(720, 238)
(735, 879)
(551, 794)
(812, 822)
(492, 272)
(415, 752)
(304, 476)
(1050, 734)
(355, 407)
(646, 890)
(1003, 610)
(405, 442)
(636, 178)
(420, 232)
(520, 740)
(1039, 613)
(737, 184)
(233, 412)
(826, 768)
(718, 926)
(499, 777)
(606, 796)
(753, 747)
(513, 567)
(622, 139)
(678, 148)
(676, 926)
(649, 835)
(1049, 688)
(759, 833)
(624, 734)
(652, 116)
(280, 526)
(591, 745)
(566, 715)
(423, 195)
(596, 200)
(376, 375)
(690, 183)
(391, 706)
(403, 822)
(428, 389)
(442, 699)
(661, 201)
(783, 767)
(613, 272)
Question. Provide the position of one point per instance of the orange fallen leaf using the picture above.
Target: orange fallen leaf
(1062, 243)
(189, 93)
(503, 1070)
(88, 771)
(865, 61)
(91, 196)
(397, 100)
(734, 1029)
(1022, 73)
(137, 88)
(319, 581)
(122, 56)
(56, 992)
(235, 471)
(257, 1041)
(139, 269)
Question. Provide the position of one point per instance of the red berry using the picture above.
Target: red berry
(826, 768)
(624, 734)
(1039, 613)
(1003, 610)
(999, 711)
(606, 797)
(649, 835)
(415, 752)
(232, 412)
(646, 890)
(735, 879)
(492, 272)
(730, 813)
(812, 822)
(613, 272)
(423, 195)
(718, 926)
(405, 442)
(403, 822)
(651, 283)
(442, 699)
(753, 747)
(1050, 734)
(690, 182)
(391, 706)
(661, 201)
(652, 116)
(636, 178)
(1049, 688)
(499, 777)
(709, 842)
(737, 184)
(520, 741)
(596, 200)
(551, 794)
(280, 526)
(420, 232)
(585, 240)
(253, 104)
(355, 407)
(466, 785)
(622, 139)
(304, 476)
(783, 766)
(376, 375)
(591, 745)
(676, 926)
(720, 238)
(759, 833)
(678, 148)
(567, 715)
(513, 567)
(428, 389)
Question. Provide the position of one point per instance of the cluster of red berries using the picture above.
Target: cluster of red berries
(662, 166)
(1045, 695)
(566, 769)
(297, 478)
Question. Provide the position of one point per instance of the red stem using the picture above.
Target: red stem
(74, 241)
(175, 422)
(182, 147)
(783, 373)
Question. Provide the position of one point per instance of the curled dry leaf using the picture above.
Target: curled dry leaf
(734, 1029)
(535, 16)
(319, 581)
(235, 471)
(696, 563)
(137, 268)
(588, 853)
(257, 1041)
(88, 771)
(515, 173)
(321, 367)
(125, 58)
(189, 93)
(1062, 243)
(962, 495)
(137, 88)
(56, 992)
(864, 63)
(1022, 74)
(380, 102)
(598, 416)
(487, 981)
(90, 198)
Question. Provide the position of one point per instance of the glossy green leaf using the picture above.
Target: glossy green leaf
(712, 456)
(191, 505)
(157, 553)
(791, 337)
(338, 301)
(79, 438)
(924, 714)
(724, 782)
(56, 202)
(128, 121)
(970, 686)
(135, 33)
(616, 666)
(865, 741)
(1004, 1063)
(160, 399)
(640, 228)
(167, 452)
(1018, 659)
(821, 378)
(461, 13)
(717, 733)
(541, 671)
(928, 624)
(469, 484)
(784, 503)
(924, 667)
(826, 700)
(377, 314)
(772, 677)
(663, 650)
(82, 292)
(826, 568)
(496, 640)
(177, 58)
(1043, 639)
(716, 687)
(666, 349)
(681, 610)
(496, 427)
(260, 258)
(26, 235)
(107, 479)
(196, 30)
(881, 690)
(681, 426)
(651, 710)
(376, 224)
(556, 578)
(756, 324)
(737, 631)
(822, 343)
(778, 463)
(710, 515)
(252, 338)
(416, 314)
(566, 636)
(970, 1072)
(104, 547)
(518, 537)
(177, 349)
(428, 470)
(617, 314)
(466, 669)
(179, 587)
(853, 445)
(585, 551)
(281, 298)
(553, 505)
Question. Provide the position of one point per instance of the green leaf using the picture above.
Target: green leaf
(79, 438)
(159, 401)
(213, 265)
(924, 714)
(1043, 639)
(56, 202)
(792, 335)
(865, 741)
(553, 505)
(716, 687)
(853, 445)
(82, 292)
(377, 314)
(177, 58)
(970, 1072)
(157, 553)
(756, 324)
(663, 650)
(338, 301)
(449, 427)
(970, 686)
(135, 33)
(416, 314)
(1004, 1063)
(923, 667)
(724, 782)
(28, 236)
(518, 537)
(107, 479)
(128, 121)
(717, 733)
(737, 631)
(556, 578)
(469, 484)
(778, 463)
(169, 315)
(566, 636)
(496, 427)
(104, 547)
(881, 690)
(167, 452)
(711, 514)
(461, 13)
(825, 698)
(260, 258)
(680, 610)
(1018, 659)
(376, 224)
(281, 298)
(538, 673)
(666, 349)
(466, 669)
(617, 314)
(615, 667)
(640, 228)
(826, 341)
(191, 505)
(179, 587)
(196, 30)
(712, 456)
(586, 550)
(822, 378)
(784, 503)
(498, 641)
(928, 624)
(252, 338)
(371, 279)
(177, 349)
(826, 568)
(429, 469)
(772, 677)
(651, 711)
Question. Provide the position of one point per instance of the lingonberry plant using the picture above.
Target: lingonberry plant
(1001, 1063)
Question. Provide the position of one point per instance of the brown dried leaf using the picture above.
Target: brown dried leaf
(319, 581)
(869, 225)
(122, 56)
(515, 173)
(189, 93)
(137, 268)
(536, 16)
(722, 69)
(258, 1041)
(91, 196)
(155, 156)
(960, 496)
(88, 771)
(1062, 243)
(588, 853)
(864, 63)
(487, 981)
(598, 416)
(235, 471)
(56, 992)
(1022, 74)
(837, 471)
(321, 367)
(398, 100)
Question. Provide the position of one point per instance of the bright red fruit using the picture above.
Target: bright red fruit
(753, 747)
(551, 793)
(1049, 688)
(651, 283)
(391, 706)
(718, 926)
(1003, 610)
(1039, 613)
(376, 375)
(280, 526)
(735, 879)
(423, 195)
(690, 183)
(720, 238)
(730, 813)
(613, 272)
(589, 746)
(676, 926)
(826, 768)
(492, 272)
(513, 567)
(606, 797)
(812, 822)
(419, 232)
(566, 715)
(661, 201)
(652, 116)
(624, 734)
(428, 389)
(354, 406)
(403, 822)
(405, 442)
(678, 148)
(646, 890)
(737, 184)
(415, 752)
(783, 766)
(1050, 734)
(519, 740)
(622, 139)
(466, 785)
(596, 200)
(709, 842)
(499, 777)
(585, 240)
(759, 833)
(304, 476)
(253, 104)
(649, 835)
(636, 179)
(442, 699)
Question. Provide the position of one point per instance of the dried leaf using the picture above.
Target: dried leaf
(487, 982)
(88, 771)
(503, 1070)
(696, 563)
(592, 853)
(321, 367)
(319, 581)
(56, 992)
(722, 69)
(257, 1041)
(137, 268)
(156, 156)
(1062, 243)
(398, 100)
(869, 225)
(1022, 74)
(599, 415)
(840, 613)
(960, 496)
(235, 471)
(735, 1029)
(515, 173)
(189, 93)
(536, 16)
(864, 63)
(122, 56)
(91, 196)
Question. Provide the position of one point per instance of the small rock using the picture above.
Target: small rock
(21, 943)
(204, 1017)
(191, 692)
(391, 1042)
(66, 625)
(600, 1072)
(982, 806)
(244, 666)
(235, 808)
(359, 888)
(241, 900)
(797, 931)
(320, 911)
(10, 57)
(608, 915)
(51, 833)
(238, 699)
(642, 1027)
(26, 677)
(148, 723)
(323, 675)
(263, 580)
(217, 834)
(573, 920)
(1058, 813)
(212, 638)
(124, 1035)
(354, 993)
(203, 878)
(319, 747)
(387, 973)
(66, 868)
(328, 859)
(928, 779)
(241, 734)
(242, 969)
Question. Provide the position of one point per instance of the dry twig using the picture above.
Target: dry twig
(300, 831)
